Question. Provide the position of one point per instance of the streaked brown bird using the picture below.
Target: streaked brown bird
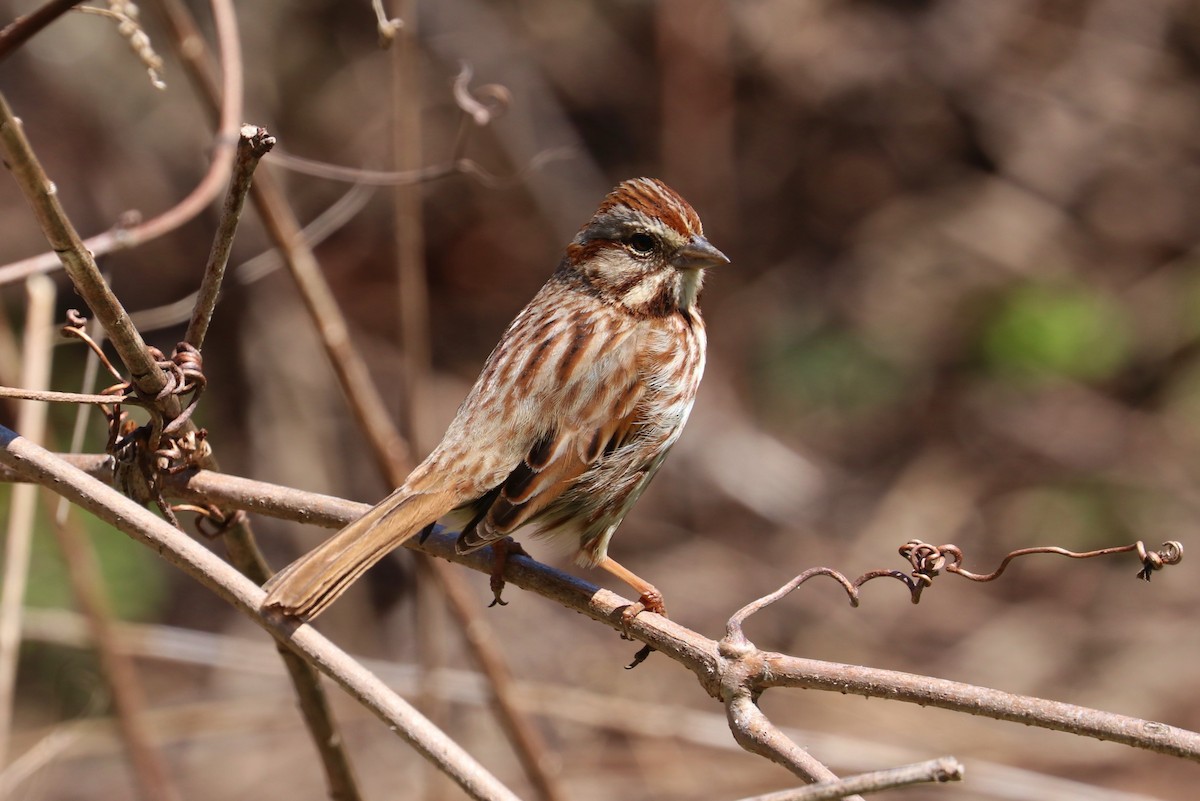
(573, 413)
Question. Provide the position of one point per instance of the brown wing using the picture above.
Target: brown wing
(554, 464)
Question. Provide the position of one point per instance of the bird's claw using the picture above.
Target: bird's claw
(648, 602)
(497, 585)
(501, 551)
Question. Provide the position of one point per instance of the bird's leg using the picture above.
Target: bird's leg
(501, 550)
(649, 598)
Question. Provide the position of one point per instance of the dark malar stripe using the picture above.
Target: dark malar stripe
(661, 303)
(664, 302)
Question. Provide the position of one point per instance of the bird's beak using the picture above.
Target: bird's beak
(698, 254)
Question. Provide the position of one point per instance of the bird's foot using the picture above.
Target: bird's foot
(501, 550)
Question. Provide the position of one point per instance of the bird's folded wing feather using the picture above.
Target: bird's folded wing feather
(595, 412)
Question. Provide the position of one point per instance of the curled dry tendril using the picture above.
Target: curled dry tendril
(143, 453)
(927, 561)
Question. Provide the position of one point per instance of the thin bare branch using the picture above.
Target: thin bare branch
(253, 144)
(146, 367)
(310, 692)
(359, 175)
(185, 445)
(928, 561)
(281, 223)
(91, 334)
(37, 464)
(526, 738)
(704, 657)
(755, 733)
(149, 769)
(363, 397)
(51, 396)
(118, 666)
(778, 670)
(945, 769)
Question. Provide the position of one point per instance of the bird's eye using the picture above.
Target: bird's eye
(640, 243)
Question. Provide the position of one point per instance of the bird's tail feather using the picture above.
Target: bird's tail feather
(310, 584)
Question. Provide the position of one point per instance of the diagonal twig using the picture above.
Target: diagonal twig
(253, 144)
(20, 30)
(946, 769)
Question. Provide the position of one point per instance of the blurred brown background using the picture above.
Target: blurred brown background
(963, 307)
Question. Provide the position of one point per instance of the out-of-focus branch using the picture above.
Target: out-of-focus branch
(31, 417)
(45, 751)
(527, 741)
(320, 228)
(197, 200)
(458, 166)
(23, 28)
(413, 290)
(128, 26)
(128, 696)
(37, 464)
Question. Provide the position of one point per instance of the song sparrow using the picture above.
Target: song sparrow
(573, 413)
